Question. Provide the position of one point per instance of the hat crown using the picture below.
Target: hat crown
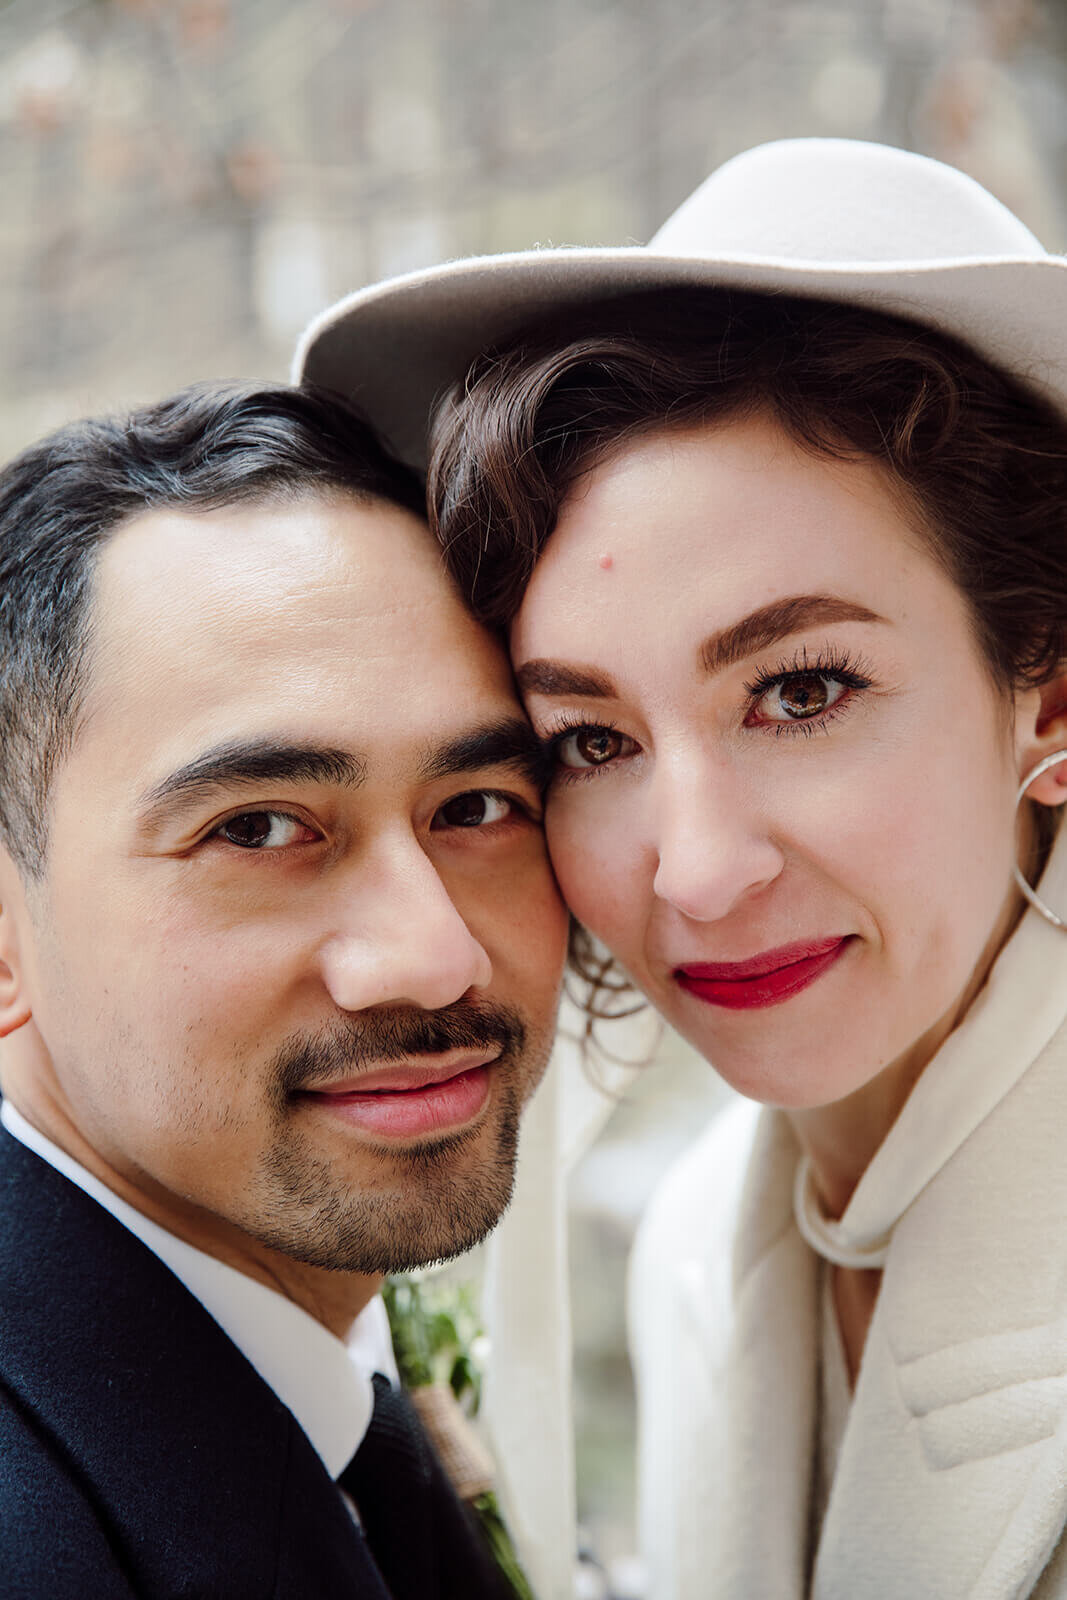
(839, 202)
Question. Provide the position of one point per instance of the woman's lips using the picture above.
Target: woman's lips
(764, 980)
(413, 1100)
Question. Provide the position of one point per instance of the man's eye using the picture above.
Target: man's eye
(475, 809)
(263, 830)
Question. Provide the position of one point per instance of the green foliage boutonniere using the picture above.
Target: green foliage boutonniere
(440, 1348)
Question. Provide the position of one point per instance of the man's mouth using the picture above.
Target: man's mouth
(410, 1099)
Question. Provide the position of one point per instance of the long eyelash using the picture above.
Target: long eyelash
(813, 725)
(831, 662)
(565, 723)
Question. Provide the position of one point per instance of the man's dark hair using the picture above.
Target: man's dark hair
(209, 446)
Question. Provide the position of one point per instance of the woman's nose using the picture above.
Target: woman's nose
(401, 941)
(712, 845)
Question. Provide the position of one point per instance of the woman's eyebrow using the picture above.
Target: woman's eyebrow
(556, 678)
(774, 622)
(719, 650)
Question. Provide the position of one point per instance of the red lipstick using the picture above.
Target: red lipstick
(763, 980)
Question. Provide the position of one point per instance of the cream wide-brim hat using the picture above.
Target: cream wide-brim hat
(832, 219)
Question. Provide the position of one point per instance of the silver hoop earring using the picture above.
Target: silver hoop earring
(1031, 894)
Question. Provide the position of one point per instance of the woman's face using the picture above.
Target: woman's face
(785, 784)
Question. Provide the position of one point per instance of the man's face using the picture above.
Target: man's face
(294, 959)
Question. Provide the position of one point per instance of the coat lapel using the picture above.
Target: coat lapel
(952, 1470)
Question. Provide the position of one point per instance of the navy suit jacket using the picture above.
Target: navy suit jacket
(142, 1455)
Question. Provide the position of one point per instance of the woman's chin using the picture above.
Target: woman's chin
(790, 1084)
(794, 1064)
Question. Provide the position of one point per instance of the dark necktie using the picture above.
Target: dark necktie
(421, 1537)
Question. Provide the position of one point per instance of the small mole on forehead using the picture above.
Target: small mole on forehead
(606, 561)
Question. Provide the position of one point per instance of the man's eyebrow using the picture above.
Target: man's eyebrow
(509, 742)
(774, 622)
(556, 678)
(248, 762)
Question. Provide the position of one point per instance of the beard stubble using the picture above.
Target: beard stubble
(417, 1204)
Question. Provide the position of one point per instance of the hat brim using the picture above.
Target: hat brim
(395, 347)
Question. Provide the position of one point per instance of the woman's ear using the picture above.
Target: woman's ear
(1041, 731)
(14, 1003)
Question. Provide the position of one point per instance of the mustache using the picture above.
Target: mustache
(375, 1038)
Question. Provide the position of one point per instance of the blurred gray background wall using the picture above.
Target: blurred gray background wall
(183, 182)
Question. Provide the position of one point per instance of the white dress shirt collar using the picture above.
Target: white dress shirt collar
(325, 1383)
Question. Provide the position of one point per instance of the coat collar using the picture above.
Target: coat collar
(959, 1420)
(950, 1480)
(1021, 1006)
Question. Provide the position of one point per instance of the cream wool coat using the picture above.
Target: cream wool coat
(952, 1476)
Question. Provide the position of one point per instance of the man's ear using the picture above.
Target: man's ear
(1041, 731)
(14, 1002)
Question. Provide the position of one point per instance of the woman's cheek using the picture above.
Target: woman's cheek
(596, 857)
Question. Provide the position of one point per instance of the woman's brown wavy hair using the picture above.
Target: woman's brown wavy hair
(980, 460)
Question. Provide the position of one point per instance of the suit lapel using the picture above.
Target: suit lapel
(390, 1482)
(201, 1477)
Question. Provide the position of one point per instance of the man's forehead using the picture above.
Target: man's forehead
(261, 583)
(325, 624)
(263, 550)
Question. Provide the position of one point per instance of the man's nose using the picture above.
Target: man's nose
(711, 841)
(399, 939)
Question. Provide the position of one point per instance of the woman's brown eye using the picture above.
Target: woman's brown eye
(597, 745)
(590, 747)
(800, 697)
(805, 695)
